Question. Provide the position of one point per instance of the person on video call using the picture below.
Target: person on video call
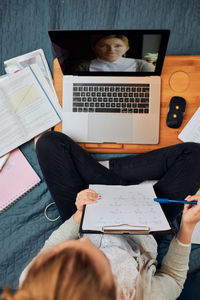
(110, 54)
(68, 268)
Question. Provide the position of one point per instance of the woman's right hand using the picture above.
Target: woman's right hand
(191, 213)
(84, 197)
(190, 217)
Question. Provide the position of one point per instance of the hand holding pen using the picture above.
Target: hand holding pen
(191, 213)
(190, 217)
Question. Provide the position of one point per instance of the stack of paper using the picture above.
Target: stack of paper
(191, 132)
(28, 107)
(18, 63)
(19, 98)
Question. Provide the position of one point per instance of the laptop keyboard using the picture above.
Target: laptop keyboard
(111, 98)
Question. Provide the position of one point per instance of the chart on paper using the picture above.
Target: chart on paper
(24, 97)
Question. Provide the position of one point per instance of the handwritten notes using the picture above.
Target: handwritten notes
(119, 205)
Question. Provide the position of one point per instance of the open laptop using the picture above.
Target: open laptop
(111, 83)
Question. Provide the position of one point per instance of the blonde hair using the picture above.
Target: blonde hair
(113, 36)
(62, 275)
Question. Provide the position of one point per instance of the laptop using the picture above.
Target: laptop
(111, 84)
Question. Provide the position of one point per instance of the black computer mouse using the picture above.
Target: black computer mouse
(176, 112)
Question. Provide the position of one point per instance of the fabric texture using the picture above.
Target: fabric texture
(23, 226)
(24, 229)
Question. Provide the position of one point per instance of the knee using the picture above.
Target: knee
(45, 141)
(193, 147)
(194, 150)
(44, 144)
(51, 141)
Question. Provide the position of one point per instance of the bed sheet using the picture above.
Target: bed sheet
(23, 226)
(24, 229)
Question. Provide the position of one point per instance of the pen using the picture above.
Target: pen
(163, 200)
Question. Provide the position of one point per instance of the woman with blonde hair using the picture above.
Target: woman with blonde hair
(110, 52)
(68, 271)
(111, 266)
(76, 269)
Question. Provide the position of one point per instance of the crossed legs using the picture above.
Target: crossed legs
(68, 169)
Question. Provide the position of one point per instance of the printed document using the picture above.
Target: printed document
(35, 57)
(191, 132)
(28, 107)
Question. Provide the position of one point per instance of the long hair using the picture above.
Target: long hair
(69, 274)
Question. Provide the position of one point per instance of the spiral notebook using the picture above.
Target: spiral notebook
(17, 177)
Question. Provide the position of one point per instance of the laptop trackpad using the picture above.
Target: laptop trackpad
(117, 128)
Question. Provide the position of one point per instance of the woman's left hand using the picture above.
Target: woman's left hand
(84, 197)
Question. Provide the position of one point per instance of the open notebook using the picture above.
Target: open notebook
(124, 209)
(17, 177)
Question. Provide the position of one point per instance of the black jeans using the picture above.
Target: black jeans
(68, 169)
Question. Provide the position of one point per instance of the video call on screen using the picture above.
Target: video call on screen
(110, 52)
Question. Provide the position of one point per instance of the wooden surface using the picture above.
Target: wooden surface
(180, 77)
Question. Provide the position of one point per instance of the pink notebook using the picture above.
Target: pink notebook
(17, 177)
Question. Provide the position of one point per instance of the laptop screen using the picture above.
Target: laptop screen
(110, 52)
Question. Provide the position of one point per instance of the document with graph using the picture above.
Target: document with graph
(28, 107)
(124, 209)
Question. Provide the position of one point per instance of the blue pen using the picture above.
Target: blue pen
(163, 200)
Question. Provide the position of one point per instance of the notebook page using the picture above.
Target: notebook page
(35, 57)
(133, 205)
(191, 132)
(16, 178)
(28, 107)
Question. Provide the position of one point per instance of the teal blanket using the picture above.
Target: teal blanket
(24, 229)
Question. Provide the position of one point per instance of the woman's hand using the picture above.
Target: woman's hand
(191, 212)
(84, 197)
(190, 217)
